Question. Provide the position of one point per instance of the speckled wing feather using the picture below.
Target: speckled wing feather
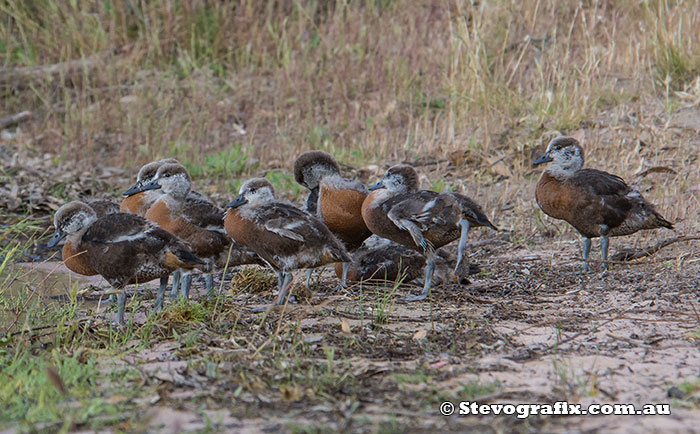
(425, 208)
(115, 227)
(202, 212)
(292, 223)
(472, 211)
(102, 207)
(600, 183)
(126, 248)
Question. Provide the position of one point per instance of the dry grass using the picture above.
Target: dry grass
(368, 81)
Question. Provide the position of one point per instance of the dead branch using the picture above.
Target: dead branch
(24, 76)
(8, 121)
(632, 253)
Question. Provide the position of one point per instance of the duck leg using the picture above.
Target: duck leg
(158, 305)
(604, 244)
(343, 284)
(177, 276)
(586, 252)
(284, 288)
(186, 285)
(464, 223)
(284, 281)
(309, 272)
(121, 303)
(429, 270)
(209, 280)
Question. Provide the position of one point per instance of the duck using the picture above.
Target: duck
(335, 200)
(595, 203)
(125, 249)
(136, 200)
(422, 220)
(70, 253)
(284, 236)
(197, 221)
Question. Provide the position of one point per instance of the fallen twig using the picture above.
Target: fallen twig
(8, 121)
(632, 253)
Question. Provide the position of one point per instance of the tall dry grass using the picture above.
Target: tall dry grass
(370, 81)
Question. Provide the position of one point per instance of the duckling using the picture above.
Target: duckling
(335, 200)
(286, 237)
(123, 248)
(595, 203)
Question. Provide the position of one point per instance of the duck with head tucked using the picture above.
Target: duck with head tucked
(284, 236)
(335, 200)
(125, 249)
(420, 219)
(595, 203)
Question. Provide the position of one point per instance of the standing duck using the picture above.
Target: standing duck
(199, 222)
(286, 237)
(335, 200)
(125, 249)
(420, 219)
(595, 203)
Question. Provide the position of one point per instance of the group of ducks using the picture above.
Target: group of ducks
(163, 227)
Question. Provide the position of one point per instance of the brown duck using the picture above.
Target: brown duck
(595, 203)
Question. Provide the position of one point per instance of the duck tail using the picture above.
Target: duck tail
(661, 222)
(184, 259)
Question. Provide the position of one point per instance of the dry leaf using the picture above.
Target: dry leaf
(420, 334)
(345, 326)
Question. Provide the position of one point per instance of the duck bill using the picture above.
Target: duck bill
(543, 159)
(56, 238)
(153, 185)
(376, 186)
(238, 201)
(136, 188)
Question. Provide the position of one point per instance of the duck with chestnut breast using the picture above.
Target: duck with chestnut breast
(199, 222)
(335, 200)
(125, 249)
(284, 236)
(595, 203)
(419, 219)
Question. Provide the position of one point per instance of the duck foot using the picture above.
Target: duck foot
(414, 297)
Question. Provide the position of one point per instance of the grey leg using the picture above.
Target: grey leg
(158, 305)
(604, 244)
(344, 277)
(177, 276)
(429, 270)
(209, 279)
(286, 283)
(186, 284)
(462, 242)
(586, 253)
(121, 303)
(309, 272)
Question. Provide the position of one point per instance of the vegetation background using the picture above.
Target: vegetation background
(468, 91)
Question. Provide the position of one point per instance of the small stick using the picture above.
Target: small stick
(631, 254)
(8, 121)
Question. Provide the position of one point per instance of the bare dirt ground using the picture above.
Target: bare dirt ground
(529, 329)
